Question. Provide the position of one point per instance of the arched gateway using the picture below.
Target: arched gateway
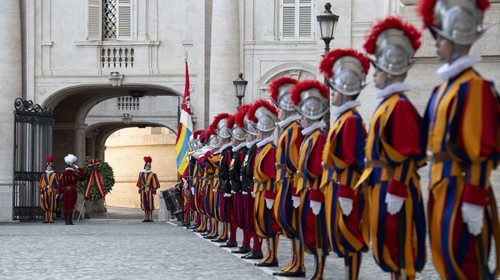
(62, 125)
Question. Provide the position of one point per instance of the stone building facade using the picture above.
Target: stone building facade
(72, 56)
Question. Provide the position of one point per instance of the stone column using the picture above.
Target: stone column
(224, 57)
(10, 89)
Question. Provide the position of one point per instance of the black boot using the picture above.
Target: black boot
(229, 244)
(253, 255)
(242, 250)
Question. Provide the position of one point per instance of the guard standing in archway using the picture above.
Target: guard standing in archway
(148, 184)
(71, 175)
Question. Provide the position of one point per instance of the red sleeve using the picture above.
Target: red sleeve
(268, 164)
(314, 164)
(348, 138)
(405, 130)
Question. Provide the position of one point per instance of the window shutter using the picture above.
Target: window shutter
(305, 21)
(288, 19)
(94, 20)
(124, 20)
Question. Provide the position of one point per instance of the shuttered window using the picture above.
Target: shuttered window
(296, 20)
(109, 20)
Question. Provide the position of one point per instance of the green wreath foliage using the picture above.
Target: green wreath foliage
(108, 181)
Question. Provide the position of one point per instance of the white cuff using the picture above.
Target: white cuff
(192, 190)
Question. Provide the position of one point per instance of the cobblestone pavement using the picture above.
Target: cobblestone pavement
(125, 248)
(115, 249)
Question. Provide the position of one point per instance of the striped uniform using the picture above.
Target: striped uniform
(148, 184)
(393, 156)
(343, 162)
(462, 119)
(48, 184)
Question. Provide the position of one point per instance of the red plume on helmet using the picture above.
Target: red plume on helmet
(208, 132)
(148, 159)
(49, 160)
(426, 10)
(217, 119)
(240, 115)
(230, 122)
(261, 103)
(197, 133)
(391, 22)
(275, 85)
(306, 85)
(330, 58)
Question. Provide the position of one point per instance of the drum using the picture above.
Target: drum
(173, 200)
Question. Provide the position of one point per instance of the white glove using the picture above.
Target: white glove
(394, 203)
(192, 190)
(315, 206)
(296, 201)
(473, 216)
(227, 195)
(269, 203)
(245, 193)
(345, 205)
(184, 182)
(253, 194)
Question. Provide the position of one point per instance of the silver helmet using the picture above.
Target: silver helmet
(220, 125)
(346, 70)
(238, 133)
(311, 99)
(249, 127)
(266, 119)
(393, 42)
(459, 21)
(279, 90)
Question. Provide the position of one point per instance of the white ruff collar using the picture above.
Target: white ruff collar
(265, 141)
(69, 168)
(458, 66)
(288, 120)
(345, 107)
(241, 145)
(146, 171)
(49, 172)
(223, 148)
(251, 143)
(393, 88)
(313, 127)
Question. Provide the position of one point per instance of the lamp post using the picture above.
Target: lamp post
(127, 118)
(240, 86)
(327, 23)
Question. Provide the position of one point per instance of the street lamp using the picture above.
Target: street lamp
(127, 118)
(240, 85)
(327, 22)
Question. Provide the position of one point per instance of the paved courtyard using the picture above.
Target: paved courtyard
(125, 248)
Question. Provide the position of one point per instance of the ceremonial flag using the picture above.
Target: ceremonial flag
(185, 128)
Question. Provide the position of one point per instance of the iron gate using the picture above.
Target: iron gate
(32, 143)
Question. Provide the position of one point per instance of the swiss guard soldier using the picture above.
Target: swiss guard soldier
(287, 160)
(264, 114)
(195, 144)
(207, 189)
(247, 184)
(67, 187)
(311, 99)
(222, 159)
(147, 184)
(239, 152)
(48, 185)
(393, 154)
(462, 125)
(343, 159)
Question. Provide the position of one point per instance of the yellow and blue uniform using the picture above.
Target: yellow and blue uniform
(343, 162)
(148, 184)
(393, 156)
(48, 184)
(462, 120)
